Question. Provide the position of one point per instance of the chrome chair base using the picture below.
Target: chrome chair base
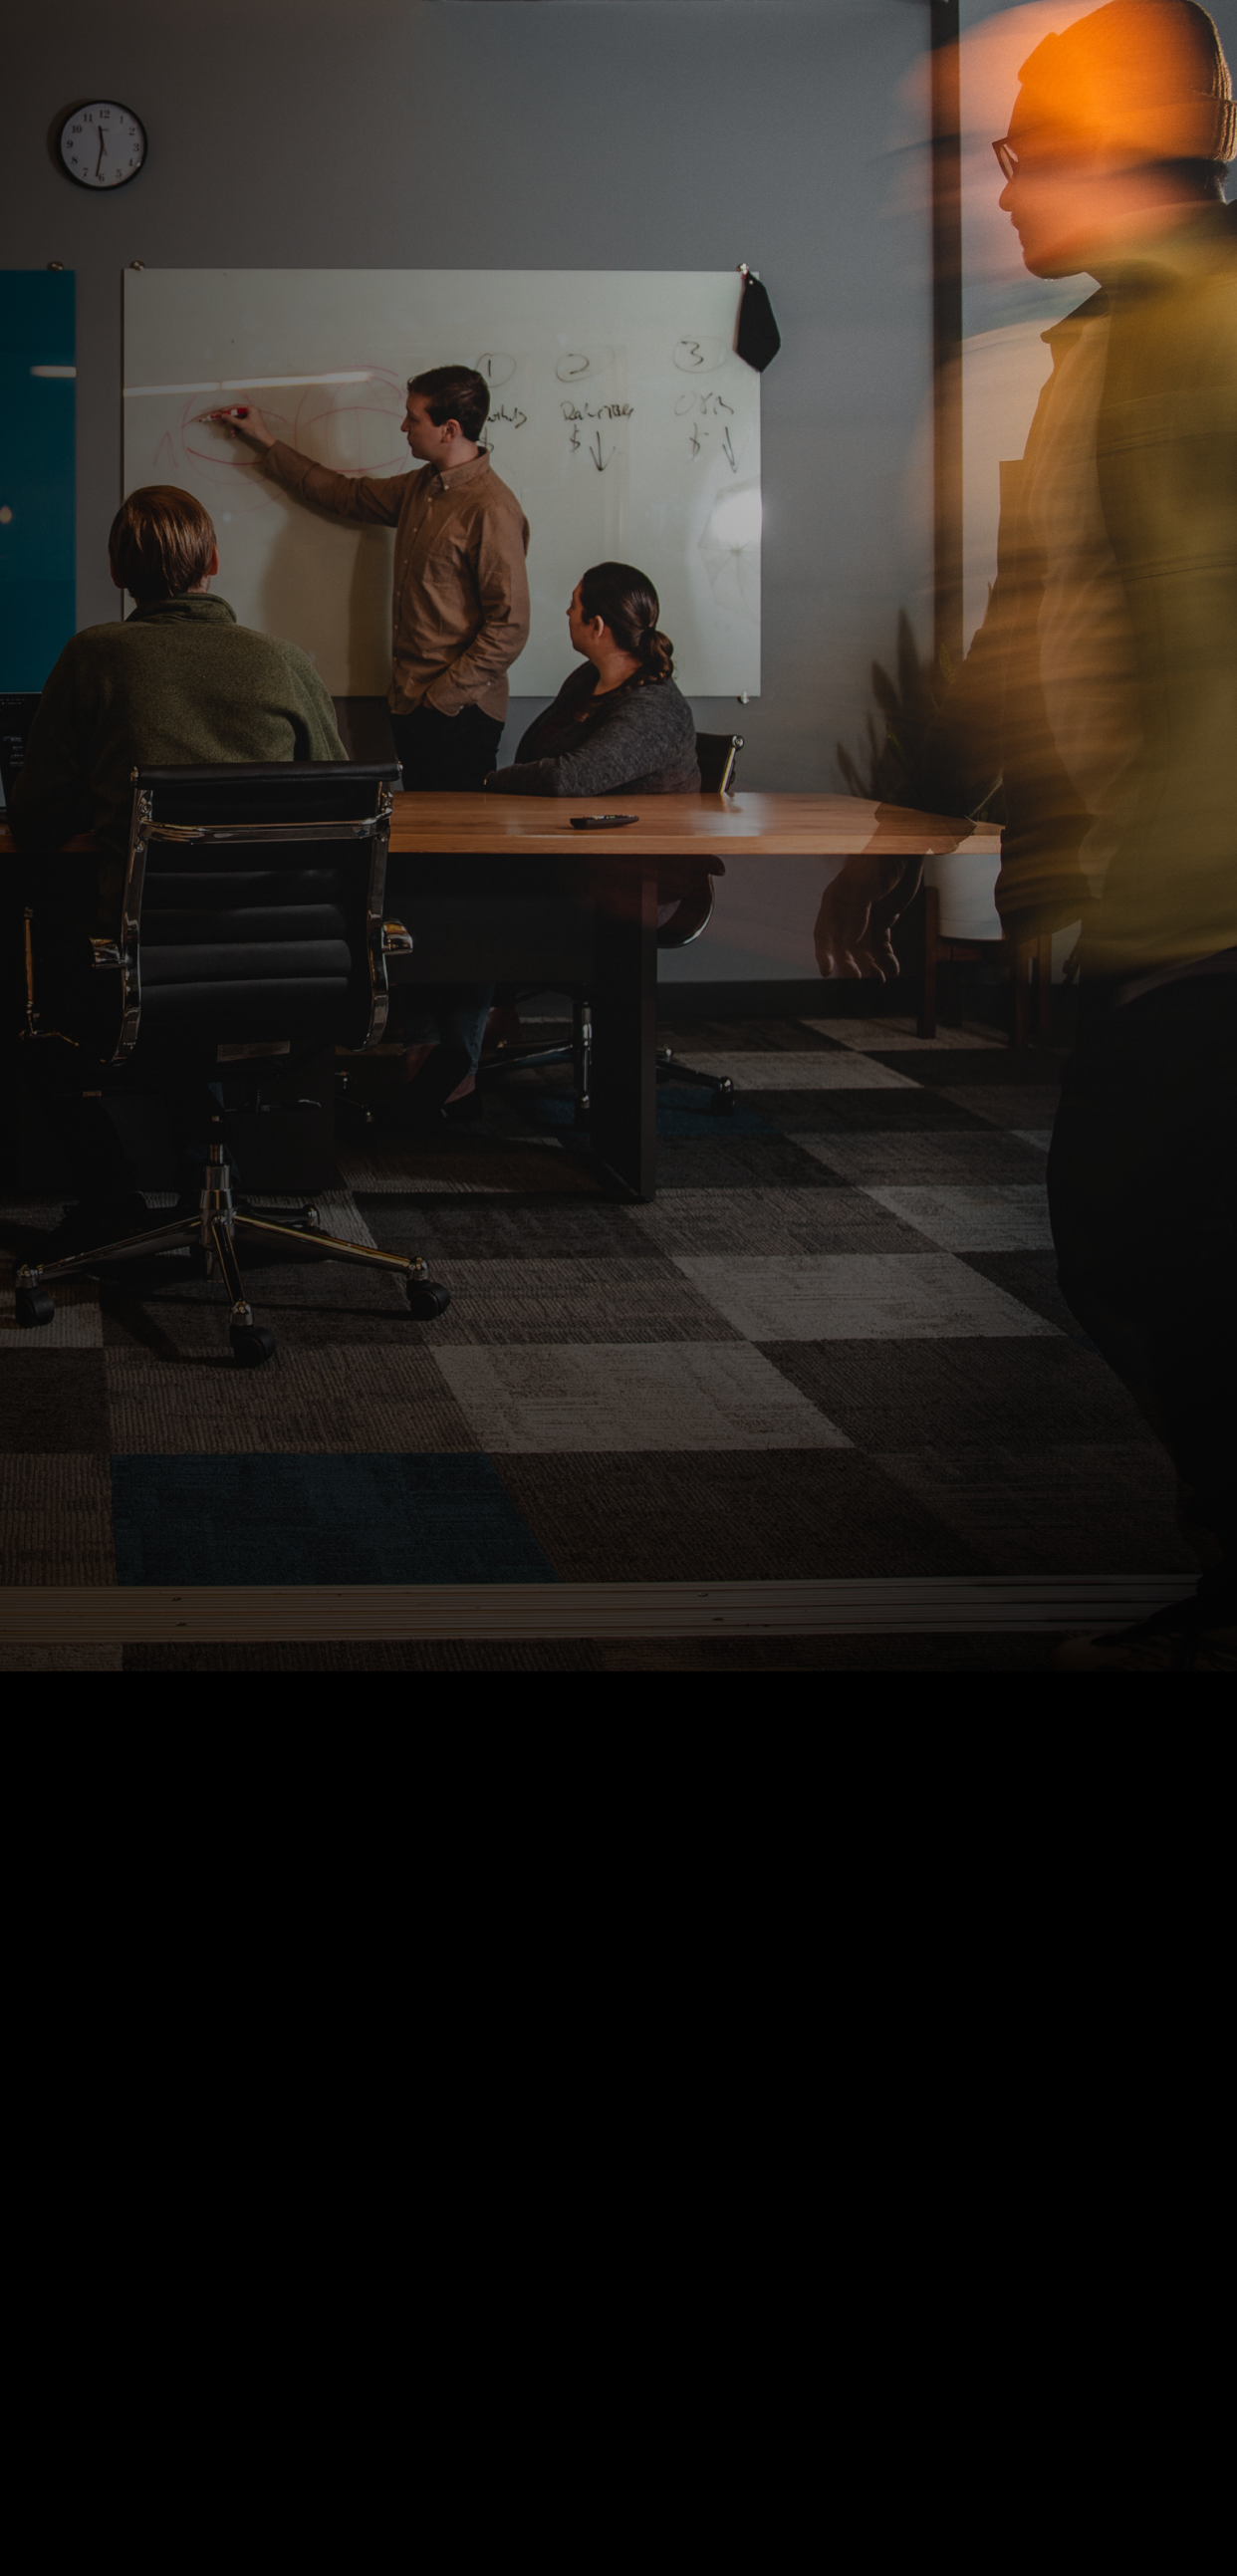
(216, 1230)
(579, 1055)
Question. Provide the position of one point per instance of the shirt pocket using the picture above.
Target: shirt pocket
(440, 572)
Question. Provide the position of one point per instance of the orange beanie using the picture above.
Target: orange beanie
(1143, 77)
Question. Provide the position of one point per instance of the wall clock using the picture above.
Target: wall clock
(103, 144)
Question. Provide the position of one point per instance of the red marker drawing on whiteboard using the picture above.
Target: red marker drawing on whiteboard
(244, 421)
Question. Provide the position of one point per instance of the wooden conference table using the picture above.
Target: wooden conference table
(501, 889)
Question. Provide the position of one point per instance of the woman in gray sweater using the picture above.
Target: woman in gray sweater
(619, 726)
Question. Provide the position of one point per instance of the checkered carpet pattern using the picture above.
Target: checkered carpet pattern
(833, 1345)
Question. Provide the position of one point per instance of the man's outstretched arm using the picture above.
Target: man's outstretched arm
(373, 500)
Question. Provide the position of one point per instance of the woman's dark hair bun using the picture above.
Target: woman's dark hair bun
(630, 607)
(656, 653)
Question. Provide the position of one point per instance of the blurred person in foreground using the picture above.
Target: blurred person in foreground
(1102, 690)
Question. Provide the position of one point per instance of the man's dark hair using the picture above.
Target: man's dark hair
(161, 542)
(454, 393)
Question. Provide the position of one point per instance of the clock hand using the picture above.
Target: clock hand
(102, 149)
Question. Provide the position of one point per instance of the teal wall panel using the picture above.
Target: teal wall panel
(37, 591)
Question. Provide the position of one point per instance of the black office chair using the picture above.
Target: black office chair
(251, 915)
(679, 922)
(717, 755)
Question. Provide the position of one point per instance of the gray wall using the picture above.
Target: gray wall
(543, 134)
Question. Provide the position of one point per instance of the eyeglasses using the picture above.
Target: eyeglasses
(1007, 158)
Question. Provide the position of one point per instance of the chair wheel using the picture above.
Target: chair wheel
(723, 1104)
(426, 1299)
(34, 1306)
(252, 1345)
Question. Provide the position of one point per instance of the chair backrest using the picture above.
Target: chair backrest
(716, 754)
(252, 908)
(684, 919)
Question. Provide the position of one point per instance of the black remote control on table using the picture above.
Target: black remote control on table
(600, 822)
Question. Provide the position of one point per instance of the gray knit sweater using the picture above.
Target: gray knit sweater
(638, 742)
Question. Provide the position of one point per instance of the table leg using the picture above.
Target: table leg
(1043, 999)
(624, 1069)
(1024, 950)
(931, 944)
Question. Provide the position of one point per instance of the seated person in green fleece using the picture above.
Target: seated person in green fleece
(175, 684)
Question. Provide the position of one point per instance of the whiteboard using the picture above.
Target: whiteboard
(621, 417)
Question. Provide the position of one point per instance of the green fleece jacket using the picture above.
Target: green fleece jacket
(177, 684)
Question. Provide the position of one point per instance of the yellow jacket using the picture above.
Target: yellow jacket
(1166, 457)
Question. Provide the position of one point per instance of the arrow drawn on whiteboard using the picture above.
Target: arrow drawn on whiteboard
(599, 460)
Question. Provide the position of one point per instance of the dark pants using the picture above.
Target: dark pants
(455, 753)
(452, 752)
(1142, 1186)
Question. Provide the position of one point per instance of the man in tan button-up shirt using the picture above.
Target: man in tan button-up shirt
(459, 617)
(460, 606)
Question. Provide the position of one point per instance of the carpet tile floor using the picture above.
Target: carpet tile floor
(833, 1345)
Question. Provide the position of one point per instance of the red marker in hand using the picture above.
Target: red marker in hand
(244, 421)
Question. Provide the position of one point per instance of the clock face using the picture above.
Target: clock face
(102, 144)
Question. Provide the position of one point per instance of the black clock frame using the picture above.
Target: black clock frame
(66, 119)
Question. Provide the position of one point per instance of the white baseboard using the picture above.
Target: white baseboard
(934, 1605)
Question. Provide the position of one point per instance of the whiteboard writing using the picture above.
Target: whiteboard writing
(595, 424)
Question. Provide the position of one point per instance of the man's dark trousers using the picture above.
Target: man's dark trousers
(455, 753)
(1142, 1187)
